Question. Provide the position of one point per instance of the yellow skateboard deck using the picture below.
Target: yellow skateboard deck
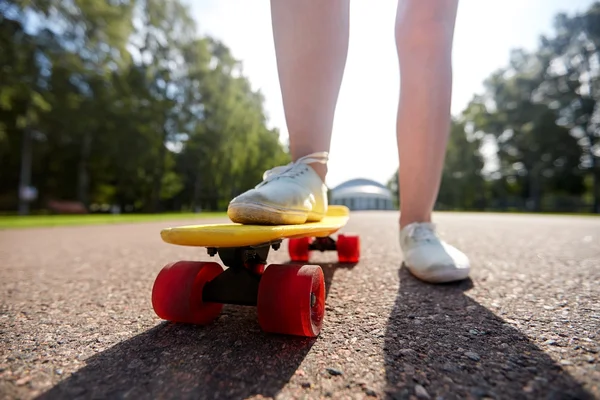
(238, 235)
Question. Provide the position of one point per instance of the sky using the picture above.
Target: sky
(364, 141)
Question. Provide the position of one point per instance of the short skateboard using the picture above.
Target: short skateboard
(290, 298)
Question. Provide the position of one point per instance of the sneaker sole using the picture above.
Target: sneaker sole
(441, 276)
(259, 214)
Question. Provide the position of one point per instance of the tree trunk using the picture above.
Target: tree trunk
(214, 203)
(592, 138)
(483, 194)
(158, 174)
(197, 190)
(595, 184)
(25, 176)
(83, 179)
(534, 183)
(535, 190)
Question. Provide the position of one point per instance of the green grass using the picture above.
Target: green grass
(31, 221)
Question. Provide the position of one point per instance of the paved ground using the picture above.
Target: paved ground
(76, 319)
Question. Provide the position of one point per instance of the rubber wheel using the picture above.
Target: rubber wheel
(298, 249)
(291, 300)
(348, 248)
(177, 292)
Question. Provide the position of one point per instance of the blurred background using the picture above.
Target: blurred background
(152, 106)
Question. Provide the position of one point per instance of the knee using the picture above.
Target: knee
(425, 26)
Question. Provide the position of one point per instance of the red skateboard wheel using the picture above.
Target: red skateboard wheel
(348, 248)
(177, 292)
(298, 249)
(291, 300)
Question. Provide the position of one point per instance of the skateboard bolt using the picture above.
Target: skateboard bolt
(313, 299)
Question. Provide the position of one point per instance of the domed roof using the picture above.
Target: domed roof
(361, 186)
(359, 182)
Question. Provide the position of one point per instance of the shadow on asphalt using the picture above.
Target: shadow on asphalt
(230, 359)
(454, 347)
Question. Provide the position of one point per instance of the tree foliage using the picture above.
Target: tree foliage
(126, 105)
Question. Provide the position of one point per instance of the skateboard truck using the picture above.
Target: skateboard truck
(323, 244)
(239, 283)
(213, 251)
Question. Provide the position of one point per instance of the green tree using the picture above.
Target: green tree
(126, 105)
(534, 151)
(462, 185)
(573, 85)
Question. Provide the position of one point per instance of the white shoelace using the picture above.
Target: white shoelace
(421, 232)
(290, 169)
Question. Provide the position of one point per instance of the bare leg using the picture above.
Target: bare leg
(311, 43)
(424, 34)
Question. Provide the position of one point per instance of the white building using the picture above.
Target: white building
(362, 194)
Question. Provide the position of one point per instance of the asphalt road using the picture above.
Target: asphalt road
(76, 319)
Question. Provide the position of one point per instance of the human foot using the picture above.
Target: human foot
(288, 194)
(429, 258)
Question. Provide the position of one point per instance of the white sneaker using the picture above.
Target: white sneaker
(289, 194)
(429, 258)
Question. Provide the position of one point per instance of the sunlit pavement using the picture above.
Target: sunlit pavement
(77, 320)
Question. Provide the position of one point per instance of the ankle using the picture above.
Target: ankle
(320, 169)
(407, 219)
